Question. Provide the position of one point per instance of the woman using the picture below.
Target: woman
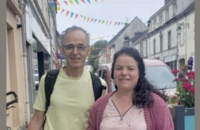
(135, 105)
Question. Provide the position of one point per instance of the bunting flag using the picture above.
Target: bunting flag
(65, 2)
(57, 3)
(91, 20)
(76, 1)
(102, 37)
(71, 2)
(76, 16)
(62, 10)
(67, 13)
(72, 14)
(58, 8)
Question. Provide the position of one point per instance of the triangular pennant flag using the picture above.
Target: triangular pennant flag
(102, 22)
(52, 4)
(83, 1)
(110, 22)
(84, 18)
(95, 20)
(106, 22)
(95, 0)
(76, 16)
(72, 14)
(57, 3)
(88, 19)
(121, 23)
(76, 1)
(58, 8)
(118, 23)
(81, 16)
(88, 1)
(115, 23)
(91, 20)
(63, 10)
(99, 21)
(71, 2)
(66, 2)
(67, 13)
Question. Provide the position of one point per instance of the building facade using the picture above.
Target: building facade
(170, 36)
(15, 61)
(129, 30)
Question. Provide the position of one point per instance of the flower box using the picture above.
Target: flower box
(184, 118)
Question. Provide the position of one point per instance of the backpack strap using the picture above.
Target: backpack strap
(50, 80)
(97, 86)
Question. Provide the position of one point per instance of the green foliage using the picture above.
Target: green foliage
(96, 62)
(94, 52)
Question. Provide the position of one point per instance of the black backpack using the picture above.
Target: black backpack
(50, 80)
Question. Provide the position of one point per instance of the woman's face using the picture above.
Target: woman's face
(126, 72)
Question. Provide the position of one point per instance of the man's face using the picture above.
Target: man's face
(75, 48)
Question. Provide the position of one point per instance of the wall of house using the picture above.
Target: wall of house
(136, 24)
(16, 117)
(187, 42)
(181, 6)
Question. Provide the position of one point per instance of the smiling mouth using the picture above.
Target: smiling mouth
(75, 58)
(123, 79)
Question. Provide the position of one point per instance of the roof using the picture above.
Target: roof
(121, 31)
(139, 36)
(161, 9)
(175, 18)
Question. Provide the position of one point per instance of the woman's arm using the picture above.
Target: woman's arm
(162, 117)
(91, 119)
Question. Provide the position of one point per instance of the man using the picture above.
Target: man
(73, 93)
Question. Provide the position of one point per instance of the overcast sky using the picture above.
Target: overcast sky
(108, 10)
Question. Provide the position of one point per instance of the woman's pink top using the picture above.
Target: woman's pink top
(132, 120)
(157, 117)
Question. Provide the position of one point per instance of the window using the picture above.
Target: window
(161, 43)
(160, 76)
(154, 26)
(174, 9)
(169, 40)
(160, 20)
(141, 49)
(167, 15)
(154, 46)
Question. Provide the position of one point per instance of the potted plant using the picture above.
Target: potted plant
(183, 101)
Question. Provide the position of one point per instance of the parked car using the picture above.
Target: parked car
(157, 73)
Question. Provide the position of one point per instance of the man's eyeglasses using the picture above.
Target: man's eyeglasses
(79, 47)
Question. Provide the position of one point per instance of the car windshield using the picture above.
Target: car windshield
(160, 76)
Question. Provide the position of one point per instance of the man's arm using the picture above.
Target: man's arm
(36, 120)
(39, 106)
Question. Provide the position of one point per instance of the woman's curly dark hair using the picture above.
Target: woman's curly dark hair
(143, 89)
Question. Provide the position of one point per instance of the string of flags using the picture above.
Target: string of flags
(84, 18)
(89, 19)
(99, 38)
(71, 2)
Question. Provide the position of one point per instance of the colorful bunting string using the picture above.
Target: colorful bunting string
(102, 37)
(93, 20)
(70, 2)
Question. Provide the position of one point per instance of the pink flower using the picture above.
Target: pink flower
(175, 71)
(176, 79)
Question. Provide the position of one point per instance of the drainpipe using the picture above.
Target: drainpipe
(23, 34)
